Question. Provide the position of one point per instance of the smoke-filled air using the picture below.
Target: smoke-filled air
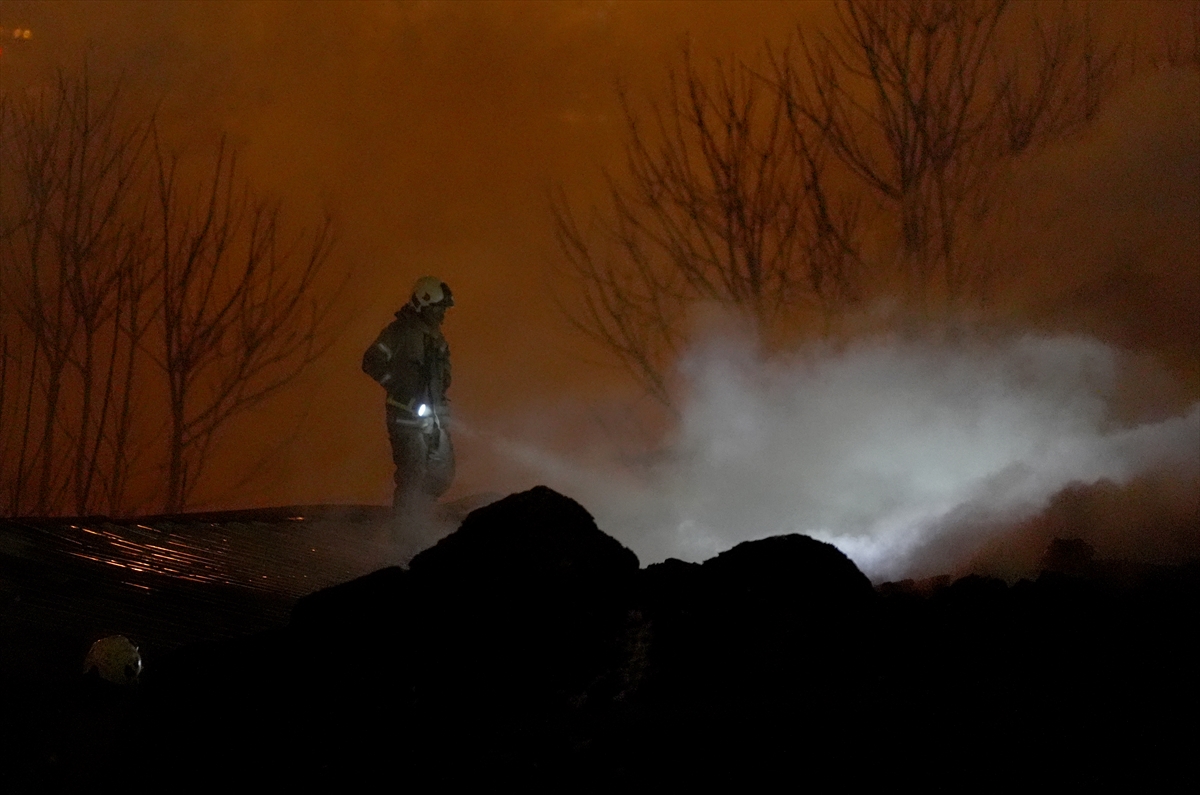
(908, 456)
(974, 317)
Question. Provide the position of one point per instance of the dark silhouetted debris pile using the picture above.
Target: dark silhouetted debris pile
(529, 648)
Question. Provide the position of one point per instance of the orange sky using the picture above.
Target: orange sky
(435, 131)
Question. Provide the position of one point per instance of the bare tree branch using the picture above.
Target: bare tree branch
(756, 191)
(718, 204)
(239, 318)
(111, 275)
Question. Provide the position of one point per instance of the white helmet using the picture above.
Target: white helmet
(115, 659)
(431, 290)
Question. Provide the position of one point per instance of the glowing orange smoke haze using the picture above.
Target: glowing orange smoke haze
(435, 133)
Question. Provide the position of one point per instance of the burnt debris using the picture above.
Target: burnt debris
(530, 648)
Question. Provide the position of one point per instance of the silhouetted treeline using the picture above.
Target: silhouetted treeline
(860, 161)
(139, 311)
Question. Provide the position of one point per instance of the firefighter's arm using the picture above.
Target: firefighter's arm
(395, 359)
(377, 361)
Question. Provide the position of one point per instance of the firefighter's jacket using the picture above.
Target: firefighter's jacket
(411, 360)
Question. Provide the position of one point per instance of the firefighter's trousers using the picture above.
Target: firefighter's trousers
(424, 459)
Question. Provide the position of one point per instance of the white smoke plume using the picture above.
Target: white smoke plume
(906, 456)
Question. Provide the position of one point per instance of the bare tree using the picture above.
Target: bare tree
(75, 166)
(138, 317)
(898, 94)
(720, 205)
(132, 324)
(921, 103)
(1059, 91)
(239, 317)
(757, 191)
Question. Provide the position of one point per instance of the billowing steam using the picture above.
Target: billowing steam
(907, 456)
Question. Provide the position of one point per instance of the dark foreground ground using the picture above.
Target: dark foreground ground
(529, 648)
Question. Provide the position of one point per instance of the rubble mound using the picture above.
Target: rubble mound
(358, 604)
(534, 535)
(527, 649)
(789, 572)
(521, 612)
